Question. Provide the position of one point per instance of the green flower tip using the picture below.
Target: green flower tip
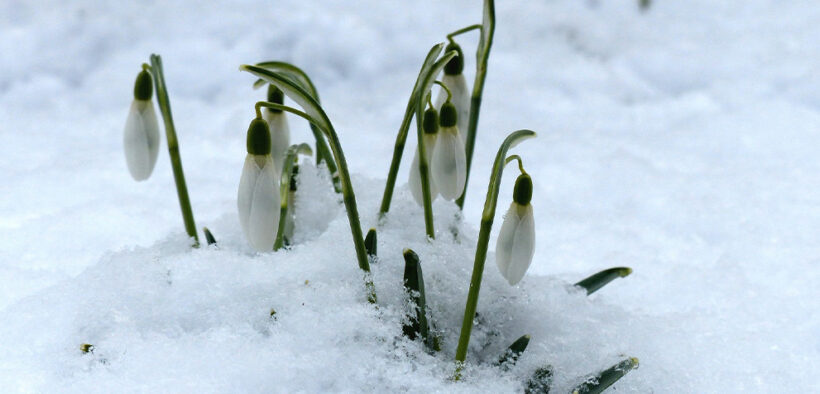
(258, 137)
(276, 96)
(143, 86)
(410, 255)
(522, 194)
(625, 271)
(448, 116)
(456, 65)
(430, 123)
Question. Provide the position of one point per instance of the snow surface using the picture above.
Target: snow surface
(679, 142)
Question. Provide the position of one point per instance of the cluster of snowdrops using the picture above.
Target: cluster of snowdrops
(446, 129)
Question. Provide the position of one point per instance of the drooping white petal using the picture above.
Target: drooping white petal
(279, 136)
(258, 201)
(461, 99)
(141, 139)
(414, 179)
(516, 243)
(449, 163)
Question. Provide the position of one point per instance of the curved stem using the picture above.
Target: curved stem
(446, 89)
(462, 31)
(483, 55)
(483, 240)
(300, 78)
(173, 148)
(520, 162)
(317, 116)
(401, 137)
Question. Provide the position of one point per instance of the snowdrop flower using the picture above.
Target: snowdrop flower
(141, 137)
(449, 163)
(516, 241)
(258, 198)
(455, 81)
(279, 130)
(430, 126)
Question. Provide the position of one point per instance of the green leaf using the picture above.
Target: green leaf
(370, 243)
(540, 382)
(599, 280)
(599, 383)
(487, 32)
(295, 74)
(208, 236)
(414, 285)
(401, 137)
(511, 354)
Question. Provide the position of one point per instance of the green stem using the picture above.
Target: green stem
(446, 89)
(284, 189)
(483, 241)
(462, 31)
(520, 162)
(317, 116)
(300, 78)
(483, 55)
(173, 148)
(424, 172)
(401, 137)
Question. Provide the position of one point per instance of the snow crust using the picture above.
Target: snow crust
(680, 142)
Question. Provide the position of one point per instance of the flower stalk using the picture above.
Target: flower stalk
(173, 148)
(482, 57)
(483, 242)
(316, 115)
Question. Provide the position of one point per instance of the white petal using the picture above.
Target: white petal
(279, 136)
(449, 164)
(516, 243)
(461, 99)
(414, 179)
(258, 202)
(141, 139)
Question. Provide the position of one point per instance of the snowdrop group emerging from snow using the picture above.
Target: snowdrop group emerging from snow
(441, 165)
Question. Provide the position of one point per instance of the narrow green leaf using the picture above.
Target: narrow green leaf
(599, 383)
(511, 354)
(401, 137)
(414, 284)
(370, 243)
(540, 382)
(599, 280)
(208, 236)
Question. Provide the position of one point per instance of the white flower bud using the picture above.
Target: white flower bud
(449, 163)
(415, 175)
(516, 243)
(279, 136)
(141, 139)
(461, 99)
(258, 201)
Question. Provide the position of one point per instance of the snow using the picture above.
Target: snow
(678, 142)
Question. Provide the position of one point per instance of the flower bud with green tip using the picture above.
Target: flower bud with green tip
(141, 137)
(258, 198)
(449, 162)
(516, 241)
(279, 128)
(455, 81)
(430, 124)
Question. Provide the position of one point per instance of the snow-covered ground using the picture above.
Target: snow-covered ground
(681, 142)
